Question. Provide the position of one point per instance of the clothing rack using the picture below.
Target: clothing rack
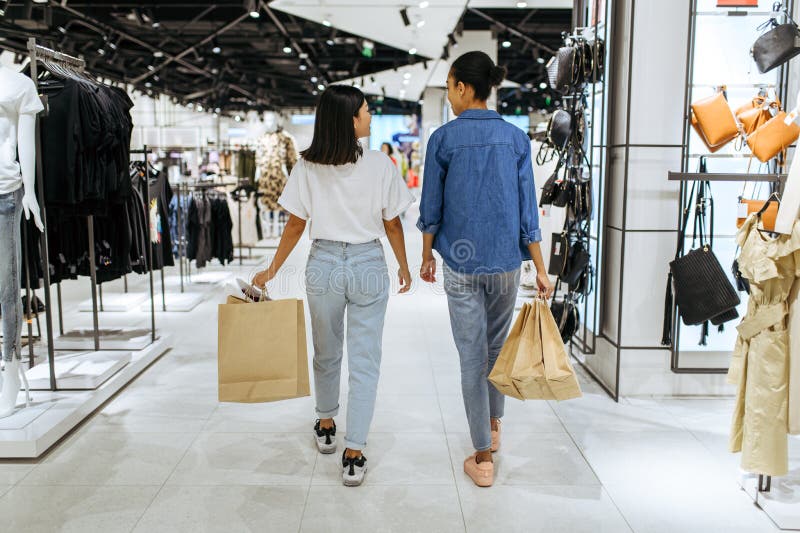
(40, 53)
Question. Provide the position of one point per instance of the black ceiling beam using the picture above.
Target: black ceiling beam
(230, 25)
(512, 31)
(299, 49)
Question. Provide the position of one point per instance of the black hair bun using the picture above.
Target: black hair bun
(496, 75)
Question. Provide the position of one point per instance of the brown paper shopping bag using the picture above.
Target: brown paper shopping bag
(504, 367)
(559, 374)
(262, 353)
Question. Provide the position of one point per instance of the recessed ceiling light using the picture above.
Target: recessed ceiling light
(314, 79)
(238, 118)
(540, 60)
(506, 44)
(413, 51)
(330, 42)
(321, 87)
(407, 75)
(287, 49)
(405, 82)
(148, 84)
(326, 23)
(420, 24)
(158, 53)
(255, 14)
(543, 85)
(303, 66)
(522, 4)
(423, 5)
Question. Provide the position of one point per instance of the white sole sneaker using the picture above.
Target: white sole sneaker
(325, 439)
(353, 471)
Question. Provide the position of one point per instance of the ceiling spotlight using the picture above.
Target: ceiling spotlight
(321, 87)
(151, 68)
(238, 118)
(405, 82)
(522, 4)
(101, 51)
(506, 44)
(62, 29)
(314, 79)
(407, 75)
(543, 85)
(413, 51)
(158, 53)
(452, 39)
(420, 24)
(404, 16)
(217, 110)
(504, 104)
(303, 66)
(330, 42)
(252, 7)
(156, 24)
(540, 60)
(148, 84)
(315, 92)
(326, 23)
(421, 102)
(216, 49)
(156, 78)
(287, 47)
(423, 5)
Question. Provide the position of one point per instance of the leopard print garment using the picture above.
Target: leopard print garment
(276, 155)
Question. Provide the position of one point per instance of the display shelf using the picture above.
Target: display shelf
(110, 339)
(116, 303)
(782, 502)
(79, 371)
(33, 430)
(177, 303)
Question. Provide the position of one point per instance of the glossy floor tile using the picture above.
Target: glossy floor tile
(165, 455)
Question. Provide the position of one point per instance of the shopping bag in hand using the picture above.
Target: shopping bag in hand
(262, 353)
(533, 363)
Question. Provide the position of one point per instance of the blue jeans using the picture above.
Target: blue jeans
(481, 309)
(10, 261)
(354, 278)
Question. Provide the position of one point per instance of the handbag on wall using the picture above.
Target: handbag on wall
(696, 283)
(755, 113)
(559, 254)
(776, 46)
(559, 129)
(713, 119)
(773, 137)
(570, 68)
(768, 215)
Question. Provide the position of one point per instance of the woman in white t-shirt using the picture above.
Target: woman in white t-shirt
(351, 198)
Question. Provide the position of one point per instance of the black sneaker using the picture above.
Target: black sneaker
(325, 438)
(353, 470)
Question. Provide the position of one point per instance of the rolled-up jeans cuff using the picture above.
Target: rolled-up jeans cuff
(354, 445)
(484, 448)
(328, 414)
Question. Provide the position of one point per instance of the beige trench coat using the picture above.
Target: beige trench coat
(760, 364)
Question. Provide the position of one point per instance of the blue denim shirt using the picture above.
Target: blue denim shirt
(478, 197)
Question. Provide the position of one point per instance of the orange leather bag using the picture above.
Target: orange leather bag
(714, 121)
(755, 113)
(772, 137)
(768, 217)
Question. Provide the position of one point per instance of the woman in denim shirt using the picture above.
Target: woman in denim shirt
(479, 212)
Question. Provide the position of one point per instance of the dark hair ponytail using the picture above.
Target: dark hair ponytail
(478, 70)
(334, 141)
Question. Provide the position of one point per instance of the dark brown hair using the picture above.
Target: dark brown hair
(334, 141)
(478, 70)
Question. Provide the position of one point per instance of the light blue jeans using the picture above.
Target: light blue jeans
(351, 278)
(481, 309)
(10, 261)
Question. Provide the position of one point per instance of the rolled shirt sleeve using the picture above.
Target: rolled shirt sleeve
(293, 198)
(431, 205)
(530, 231)
(396, 196)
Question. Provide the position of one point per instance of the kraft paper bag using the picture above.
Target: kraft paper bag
(504, 367)
(262, 354)
(533, 364)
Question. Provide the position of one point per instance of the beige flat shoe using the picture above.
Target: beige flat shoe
(482, 474)
(496, 438)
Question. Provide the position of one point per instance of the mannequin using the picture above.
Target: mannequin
(19, 105)
(276, 155)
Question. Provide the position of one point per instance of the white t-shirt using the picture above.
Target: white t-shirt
(347, 203)
(17, 97)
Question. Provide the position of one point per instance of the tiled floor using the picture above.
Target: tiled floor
(164, 455)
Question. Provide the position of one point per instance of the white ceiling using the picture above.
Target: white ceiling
(379, 20)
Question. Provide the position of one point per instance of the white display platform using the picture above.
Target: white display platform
(32, 431)
(110, 339)
(79, 371)
(211, 277)
(782, 502)
(176, 303)
(115, 303)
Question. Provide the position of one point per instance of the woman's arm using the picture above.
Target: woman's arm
(542, 280)
(291, 234)
(394, 231)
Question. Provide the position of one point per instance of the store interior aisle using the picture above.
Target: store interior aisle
(164, 455)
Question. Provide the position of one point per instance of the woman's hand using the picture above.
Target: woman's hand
(404, 275)
(428, 270)
(261, 279)
(544, 284)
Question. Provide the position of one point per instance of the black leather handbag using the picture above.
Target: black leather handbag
(570, 68)
(697, 283)
(599, 56)
(566, 315)
(577, 262)
(559, 254)
(559, 129)
(551, 187)
(777, 46)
